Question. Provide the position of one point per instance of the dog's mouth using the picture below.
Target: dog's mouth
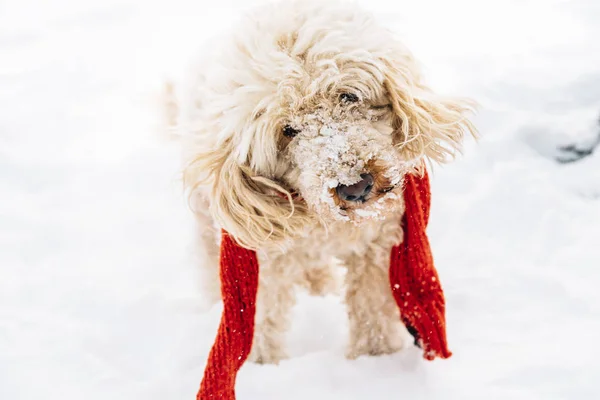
(373, 194)
(383, 200)
(293, 194)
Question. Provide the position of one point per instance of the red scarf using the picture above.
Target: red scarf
(413, 279)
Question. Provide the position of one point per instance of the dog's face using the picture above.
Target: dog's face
(312, 113)
(338, 147)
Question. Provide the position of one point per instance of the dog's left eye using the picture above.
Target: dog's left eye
(290, 132)
(348, 98)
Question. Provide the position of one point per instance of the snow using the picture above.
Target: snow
(100, 296)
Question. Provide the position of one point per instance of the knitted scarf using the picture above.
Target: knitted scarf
(413, 279)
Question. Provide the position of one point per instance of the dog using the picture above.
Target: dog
(298, 130)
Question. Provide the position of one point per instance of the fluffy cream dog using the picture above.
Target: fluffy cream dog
(300, 128)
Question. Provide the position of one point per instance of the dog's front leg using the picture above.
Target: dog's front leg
(375, 326)
(275, 300)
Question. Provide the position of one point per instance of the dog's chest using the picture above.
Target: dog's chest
(343, 239)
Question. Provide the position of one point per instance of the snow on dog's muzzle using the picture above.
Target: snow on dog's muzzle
(334, 160)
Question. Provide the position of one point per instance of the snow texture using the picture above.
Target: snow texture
(100, 298)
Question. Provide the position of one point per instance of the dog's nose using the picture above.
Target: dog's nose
(358, 191)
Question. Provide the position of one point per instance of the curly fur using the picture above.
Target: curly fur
(290, 65)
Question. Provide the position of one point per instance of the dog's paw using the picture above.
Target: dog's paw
(374, 350)
(260, 355)
(375, 343)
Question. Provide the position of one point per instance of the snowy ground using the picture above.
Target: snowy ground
(99, 296)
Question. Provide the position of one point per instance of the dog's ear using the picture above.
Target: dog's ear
(426, 124)
(252, 209)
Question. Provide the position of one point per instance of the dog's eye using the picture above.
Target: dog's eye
(381, 107)
(290, 132)
(387, 189)
(348, 98)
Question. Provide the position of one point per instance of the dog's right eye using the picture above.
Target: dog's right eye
(381, 107)
(349, 98)
(290, 132)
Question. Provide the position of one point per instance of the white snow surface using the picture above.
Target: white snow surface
(99, 294)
